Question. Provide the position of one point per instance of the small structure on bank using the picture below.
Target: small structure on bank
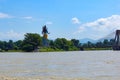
(45, 36)
(116, 45)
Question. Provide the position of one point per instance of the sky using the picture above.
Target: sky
(70, 19)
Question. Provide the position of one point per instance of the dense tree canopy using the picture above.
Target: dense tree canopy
(33, 40)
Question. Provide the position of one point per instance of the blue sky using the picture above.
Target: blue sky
(64, 18)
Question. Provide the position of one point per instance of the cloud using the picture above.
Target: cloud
(28, 17)
(11, 35)
(100, 27)
(81, 29)
(4, 15)
(75, 20)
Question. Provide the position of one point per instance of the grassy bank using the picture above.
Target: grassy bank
(49, 49)
(86, 49)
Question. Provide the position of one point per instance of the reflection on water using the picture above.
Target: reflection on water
(61, 64)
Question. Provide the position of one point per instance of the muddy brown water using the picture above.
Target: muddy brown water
(89, 64)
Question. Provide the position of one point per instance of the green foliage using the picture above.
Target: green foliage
(48, 49)
(2, 45)
(99, 45)
(18, 45)
(98, 48)
(76, 43)
(28, 48)
(31, 42)
(10, 45)
(62, 43)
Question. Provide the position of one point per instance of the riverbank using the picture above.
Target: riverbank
(39, 78)
(48, 49)
(57, 78)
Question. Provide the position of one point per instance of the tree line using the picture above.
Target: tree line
(33, 41)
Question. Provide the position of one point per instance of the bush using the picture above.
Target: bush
(28, 48)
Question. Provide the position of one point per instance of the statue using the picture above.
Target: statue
(45, 36)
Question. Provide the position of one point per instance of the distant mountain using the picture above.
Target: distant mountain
(108, 37)
(85, 40)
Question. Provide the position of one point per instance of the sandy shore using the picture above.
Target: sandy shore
(57, 78)
(39, 78)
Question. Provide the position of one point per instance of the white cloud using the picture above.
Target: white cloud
(11, 35)
(49, 23)
(81, 29)
(100, 27)
(28, 17)
(4, 15)
(75, 20)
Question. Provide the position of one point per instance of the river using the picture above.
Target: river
(93, 65)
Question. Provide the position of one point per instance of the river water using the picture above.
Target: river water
(61, 64)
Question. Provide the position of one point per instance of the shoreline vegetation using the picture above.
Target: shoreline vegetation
(52, 50)
(33, 42)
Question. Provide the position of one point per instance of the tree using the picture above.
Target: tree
(28, 48)
(5, 44)
(106, 43)
(18, 45)
(31, 42)
(52, 44)
(76, 43)
(2, 45)
(85, 45)
(90, 44)
(62, 43)
(99, 44)
(10, 45)
(59, 43)
(111, 42)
